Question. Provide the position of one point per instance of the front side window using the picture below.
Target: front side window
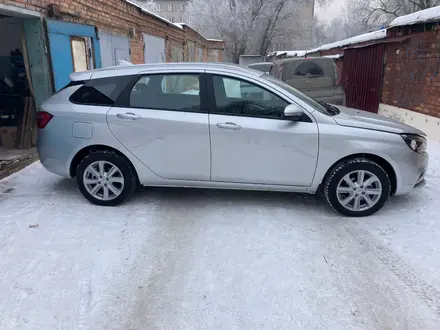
(100, 92)
(177, 92)
(238, 97)
(296, 93)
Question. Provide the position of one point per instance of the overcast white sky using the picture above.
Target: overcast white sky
(331, 11)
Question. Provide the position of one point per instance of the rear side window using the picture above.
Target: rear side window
(309, 69)
(103, 91)
(175, 92)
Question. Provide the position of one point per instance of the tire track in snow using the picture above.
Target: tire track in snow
(426, 292)
(85, 291)
(165, 276)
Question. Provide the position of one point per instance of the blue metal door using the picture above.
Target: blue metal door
(60, 41)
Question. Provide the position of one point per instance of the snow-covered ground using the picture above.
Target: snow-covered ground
(197, 259)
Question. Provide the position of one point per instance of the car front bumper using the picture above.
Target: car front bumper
(413, 168)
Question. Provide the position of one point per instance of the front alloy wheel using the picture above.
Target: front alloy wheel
(359, 190)
(357, 187)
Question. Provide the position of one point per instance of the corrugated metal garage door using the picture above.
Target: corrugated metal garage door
(114, 48)
(362, 76)
(154, 49)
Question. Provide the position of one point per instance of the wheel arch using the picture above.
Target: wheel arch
(81, 154)
(388, 168)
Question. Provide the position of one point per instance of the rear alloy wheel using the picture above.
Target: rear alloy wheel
(358, 188)
(105, 178)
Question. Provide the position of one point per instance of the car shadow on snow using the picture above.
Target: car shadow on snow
(191, 197)
(65, 185)
(234, 198)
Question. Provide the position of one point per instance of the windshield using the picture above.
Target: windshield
(320, 106)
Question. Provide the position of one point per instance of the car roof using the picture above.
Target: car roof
(151, 68)
(298, 59)
(259, 63)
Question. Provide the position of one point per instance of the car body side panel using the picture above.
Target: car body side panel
(263, 151)
(172, 144)
(337, 142)
(57, 145)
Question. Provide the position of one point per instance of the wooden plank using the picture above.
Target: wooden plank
(21, 126)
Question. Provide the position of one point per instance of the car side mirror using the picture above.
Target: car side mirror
(293, 112)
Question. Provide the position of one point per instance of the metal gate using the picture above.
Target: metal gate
(154, 51)
(362, 77)
(113, 49)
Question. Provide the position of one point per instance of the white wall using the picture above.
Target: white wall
(428, 124)
(10, 35)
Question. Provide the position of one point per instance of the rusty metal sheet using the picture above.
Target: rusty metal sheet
(362, 77)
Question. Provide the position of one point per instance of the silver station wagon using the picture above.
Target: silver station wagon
(226, 127)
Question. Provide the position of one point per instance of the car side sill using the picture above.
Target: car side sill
(227, 185)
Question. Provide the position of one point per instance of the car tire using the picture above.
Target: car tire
(105, 178)
(357, 188)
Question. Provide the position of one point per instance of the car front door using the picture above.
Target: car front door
(251, 142)
(162, 122)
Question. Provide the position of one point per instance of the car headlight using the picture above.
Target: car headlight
(416, 142)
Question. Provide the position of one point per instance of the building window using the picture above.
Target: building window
(171, 19)
(170, 7)
(158, 7)
(79, 54)
(181, 7)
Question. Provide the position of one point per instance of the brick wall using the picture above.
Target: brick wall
(412, 73)
(194, 41)
(137, 50)
(119, 17)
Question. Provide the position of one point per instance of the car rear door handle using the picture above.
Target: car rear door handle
(229, 125)
(128, 116)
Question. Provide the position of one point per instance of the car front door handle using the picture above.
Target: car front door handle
(128, 116)
(229, 125)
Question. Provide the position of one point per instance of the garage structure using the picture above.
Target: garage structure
(25, 77)
(154, 49)
(44, 42)
(113, 49)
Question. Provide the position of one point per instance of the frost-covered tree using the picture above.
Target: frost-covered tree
(252, 26)
(350, 23)
(147, 4)
(384, 11)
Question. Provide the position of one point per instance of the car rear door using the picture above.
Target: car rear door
(315, 77)
(251, 142)
(161, 120)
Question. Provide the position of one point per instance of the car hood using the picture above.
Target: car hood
(362, 119)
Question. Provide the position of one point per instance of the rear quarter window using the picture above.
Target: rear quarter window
(309, 68)
(102, 91)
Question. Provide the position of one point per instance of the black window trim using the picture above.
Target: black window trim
(213, 104)
(84, 82)
(123, 100)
